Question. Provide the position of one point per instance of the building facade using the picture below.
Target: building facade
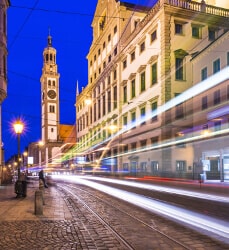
(4, 4)
(139, 64)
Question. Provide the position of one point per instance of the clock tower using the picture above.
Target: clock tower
(50, 112)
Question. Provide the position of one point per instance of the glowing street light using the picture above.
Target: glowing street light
(18, 128)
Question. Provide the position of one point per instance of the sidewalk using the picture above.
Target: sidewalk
(21, 229)
(12, 208)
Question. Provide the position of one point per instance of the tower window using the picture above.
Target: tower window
(50, 57)
(53, 83)
(49, 82)
(52, 109)
(46, 57)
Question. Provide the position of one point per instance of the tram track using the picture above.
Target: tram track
(103, 210)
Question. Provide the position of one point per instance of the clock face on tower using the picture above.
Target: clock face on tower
(52, 94)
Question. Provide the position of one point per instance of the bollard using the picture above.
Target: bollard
(39, 202)
(41, 188)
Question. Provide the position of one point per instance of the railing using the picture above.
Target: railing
(184, 4)
(201, 7)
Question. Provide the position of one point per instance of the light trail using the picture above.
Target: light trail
(216, 226)
(198, 195)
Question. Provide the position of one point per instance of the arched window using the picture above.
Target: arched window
(50, 57)
(49, 82)
(53, 83)
(46, 57)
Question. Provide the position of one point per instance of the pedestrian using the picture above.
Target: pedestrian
(42, 178)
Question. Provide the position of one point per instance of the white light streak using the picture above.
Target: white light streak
(218, 227)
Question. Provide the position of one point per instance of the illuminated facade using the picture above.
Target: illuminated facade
(139, 60)
(211, 108)
(4, 4)
(50, 111)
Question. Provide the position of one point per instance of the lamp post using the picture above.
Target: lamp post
(41, 144)
(18, 128)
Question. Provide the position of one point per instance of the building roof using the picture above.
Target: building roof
(68, 133)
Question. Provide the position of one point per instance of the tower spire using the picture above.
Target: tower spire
(49, 39)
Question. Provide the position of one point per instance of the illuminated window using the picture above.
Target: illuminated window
(154, 166)
(180, 166)
(143, 167)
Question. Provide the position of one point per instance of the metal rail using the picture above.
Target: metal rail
(67, 189)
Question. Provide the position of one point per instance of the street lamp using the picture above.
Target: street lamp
(18, 128)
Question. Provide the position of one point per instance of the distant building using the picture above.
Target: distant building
(4, 4)
(140, 59)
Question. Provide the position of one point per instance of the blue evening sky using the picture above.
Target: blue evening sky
(28, 27)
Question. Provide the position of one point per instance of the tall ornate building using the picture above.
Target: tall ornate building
(4, 4)
(50, 110)
(139, 62)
